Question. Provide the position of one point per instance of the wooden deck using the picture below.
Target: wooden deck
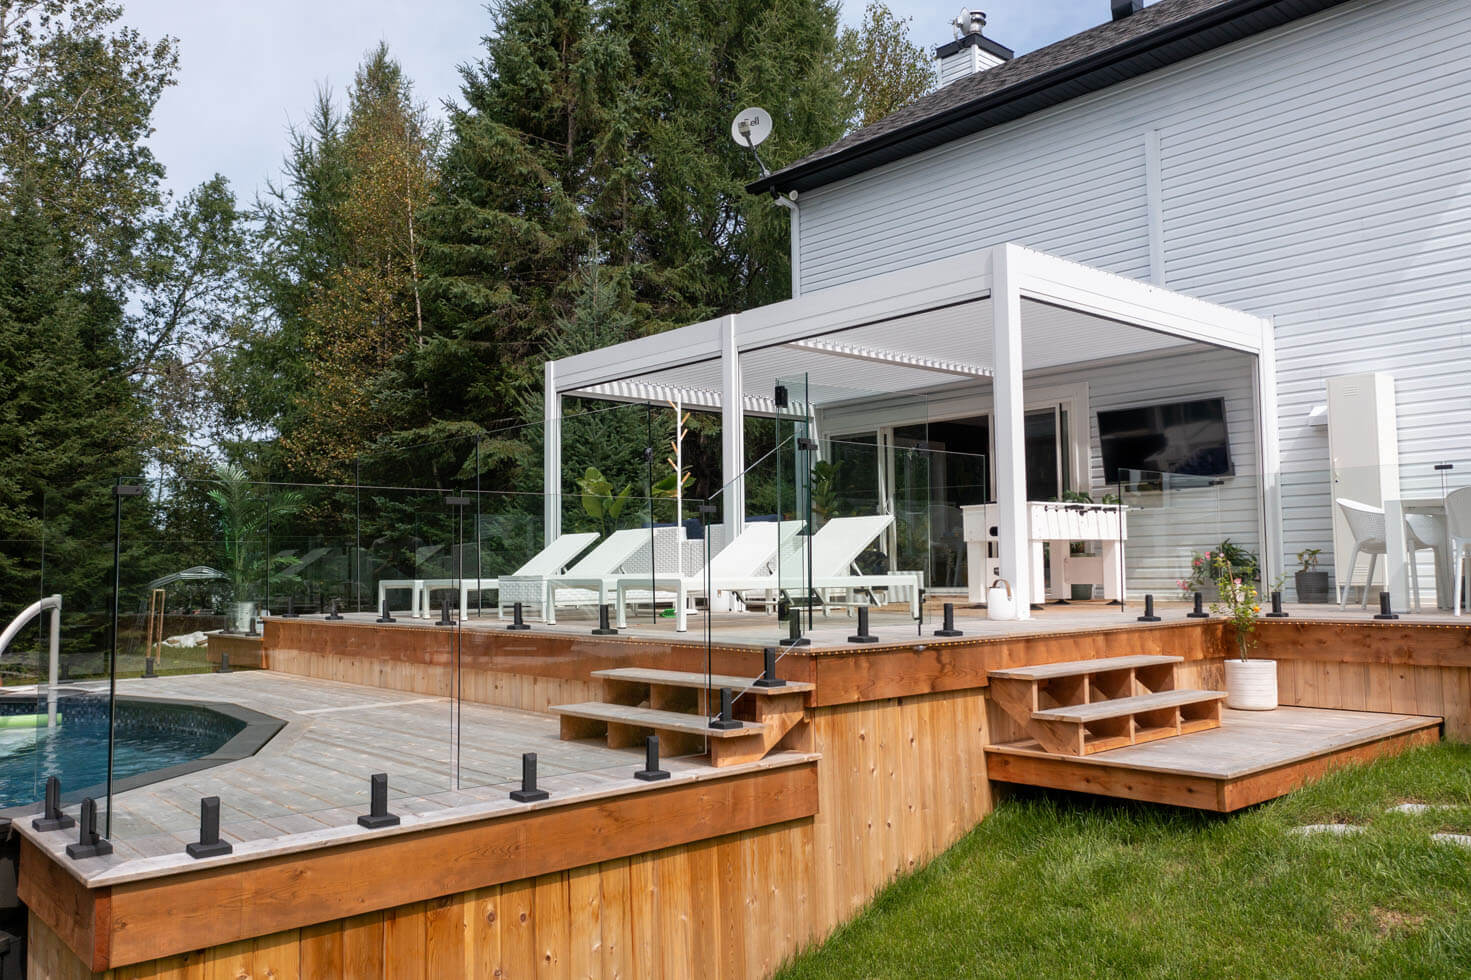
(1254, 756)
(306, 787)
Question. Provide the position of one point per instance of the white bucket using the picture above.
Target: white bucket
(1000, 601)
(1251, 685)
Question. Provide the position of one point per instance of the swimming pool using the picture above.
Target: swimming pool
(150, 736)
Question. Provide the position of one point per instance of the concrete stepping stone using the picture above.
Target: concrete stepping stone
(1460, 840)
(1340, 829)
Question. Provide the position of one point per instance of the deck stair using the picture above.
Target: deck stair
(1085, 706)
(677, 706)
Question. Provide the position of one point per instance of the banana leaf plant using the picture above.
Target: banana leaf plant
(245, 513)
(601, 502)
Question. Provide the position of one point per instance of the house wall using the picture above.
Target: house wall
(1164, 528)
(1316, 174)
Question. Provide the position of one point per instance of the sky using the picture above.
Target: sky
(248, 70)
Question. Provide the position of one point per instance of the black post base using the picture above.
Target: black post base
(725, 724)
(651, 775)
(214, 849)
(863, 638)
(519, 626)
(377, 821)
(100, 848)
(148, 667)
(607, 632)
(1148, 619)
(529, 795)
(61, 822)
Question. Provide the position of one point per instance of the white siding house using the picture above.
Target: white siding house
(1318, 174)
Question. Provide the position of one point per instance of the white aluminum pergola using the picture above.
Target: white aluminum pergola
(996, 313)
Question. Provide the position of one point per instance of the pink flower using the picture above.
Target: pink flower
(1207, 554)
(1236, 581)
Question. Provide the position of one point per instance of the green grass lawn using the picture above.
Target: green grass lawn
(1072, 886)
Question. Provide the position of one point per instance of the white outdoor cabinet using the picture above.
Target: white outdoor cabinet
(1363, 451)
(1057, 525)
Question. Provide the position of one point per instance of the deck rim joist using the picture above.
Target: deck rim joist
(131, 919)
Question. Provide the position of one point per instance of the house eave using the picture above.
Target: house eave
(1214, 28)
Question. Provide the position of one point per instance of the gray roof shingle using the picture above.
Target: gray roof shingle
(1159, 35)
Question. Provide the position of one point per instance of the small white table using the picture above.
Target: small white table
(1397, 560)
(1057, 525)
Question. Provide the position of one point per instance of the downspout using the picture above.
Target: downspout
(789, 201)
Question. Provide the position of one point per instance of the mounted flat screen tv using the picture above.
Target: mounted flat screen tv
(1187, 438)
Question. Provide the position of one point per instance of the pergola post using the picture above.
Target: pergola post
(551, 457)
(1270, 461)
(732, 432)
(1010, 414)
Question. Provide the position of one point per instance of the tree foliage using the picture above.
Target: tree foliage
(883, 68)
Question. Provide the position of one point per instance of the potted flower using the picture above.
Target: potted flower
(1312, 584)
(1225, 561)
(1251, 685)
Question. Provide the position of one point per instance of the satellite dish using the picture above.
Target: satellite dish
(750, 127)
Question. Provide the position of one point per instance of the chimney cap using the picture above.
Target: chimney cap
(1123, 8)
(968, 22)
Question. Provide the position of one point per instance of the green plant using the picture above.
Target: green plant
(1237, 600)
(245, 514)
(1226, 560)
(1308, 557)
(826, 501)
(600, 501)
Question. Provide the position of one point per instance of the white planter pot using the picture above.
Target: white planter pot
(238, 616)
(1251, 685)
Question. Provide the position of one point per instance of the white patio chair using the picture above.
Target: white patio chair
(1366, 524)
(1424, 532)
(1458, 528)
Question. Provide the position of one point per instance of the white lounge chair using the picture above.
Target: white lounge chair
(549, 561)
(835, 548)
(742, 565)
(585, 583)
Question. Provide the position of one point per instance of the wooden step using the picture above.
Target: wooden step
(665, 721)
(1077, 668)
(696, 680)
(1120, 707)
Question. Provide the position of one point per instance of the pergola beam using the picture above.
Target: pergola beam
(878, 355)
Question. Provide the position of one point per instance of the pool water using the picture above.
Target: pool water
(150, 735)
